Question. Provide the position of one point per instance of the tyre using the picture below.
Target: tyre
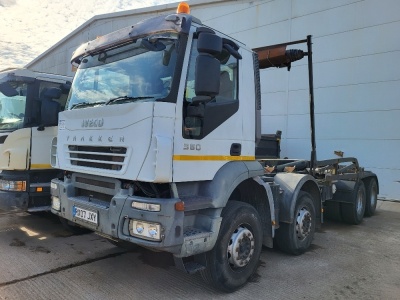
(353, 213)
(296, 238)
(371, 196)
(235, 256)
(73, 228)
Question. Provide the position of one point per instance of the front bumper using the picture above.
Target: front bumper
(36, 197)
(114, 215)
(14, 201)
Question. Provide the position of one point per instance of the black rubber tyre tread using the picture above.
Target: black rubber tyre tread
(286, 238)
(218, 272)
(349, 210)
(371, 187)
(332, 211)
(74, 229)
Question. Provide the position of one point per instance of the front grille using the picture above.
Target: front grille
(108, 158)
(98, 183)
(95, 189)
(92, 195)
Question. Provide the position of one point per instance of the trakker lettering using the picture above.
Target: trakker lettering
(93, 139)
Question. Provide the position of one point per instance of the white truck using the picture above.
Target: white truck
(158, 146)
(29, 106)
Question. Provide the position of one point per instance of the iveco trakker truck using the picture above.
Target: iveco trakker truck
(29, 106)
(158, 146)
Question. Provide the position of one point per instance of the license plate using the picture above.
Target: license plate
(84, 214)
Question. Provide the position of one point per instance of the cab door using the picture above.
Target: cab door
(211, 132)
(42, 136)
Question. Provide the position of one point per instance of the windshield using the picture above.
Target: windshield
(141, 71)
(12, 109)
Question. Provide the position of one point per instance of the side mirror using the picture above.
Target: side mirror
(207, 66)
(209, 43)
(51, 93)
(207, 75)
(50, 110)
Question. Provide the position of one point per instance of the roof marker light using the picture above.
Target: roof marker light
(183, 8)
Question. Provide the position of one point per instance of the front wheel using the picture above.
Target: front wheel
(296, 237)
(236, 253)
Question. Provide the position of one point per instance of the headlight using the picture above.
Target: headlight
(12, 185)
(55, 203)
(145, 230)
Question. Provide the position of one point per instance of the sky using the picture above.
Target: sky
(30, 27)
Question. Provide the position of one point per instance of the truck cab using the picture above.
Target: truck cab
(29, 106)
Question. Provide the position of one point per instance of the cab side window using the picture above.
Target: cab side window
(44, 95)
(64, 88)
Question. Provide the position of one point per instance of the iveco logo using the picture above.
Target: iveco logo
(92, 122)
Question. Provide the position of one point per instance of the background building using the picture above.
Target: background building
(356, 72)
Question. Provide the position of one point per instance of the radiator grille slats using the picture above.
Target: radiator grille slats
(108, 158)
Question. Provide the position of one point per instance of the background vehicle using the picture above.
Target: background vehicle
(158, 144)
(29, 106)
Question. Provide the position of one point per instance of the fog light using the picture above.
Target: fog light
(145, 230)
(146, 206)
(13, 185)
(55, 203)
(153, 231)
(139, 228)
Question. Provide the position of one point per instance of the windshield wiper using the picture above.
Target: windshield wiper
(126, 99)
(86, 104)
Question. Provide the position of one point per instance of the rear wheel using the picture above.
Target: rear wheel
(236, 253)
(296, 238)
(353, 213)
(371, 192)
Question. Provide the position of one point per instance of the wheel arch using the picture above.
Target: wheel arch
(225, 183)
(258, 194)
(344, 190)
(238, 181)
(247, 186)
(291, 184)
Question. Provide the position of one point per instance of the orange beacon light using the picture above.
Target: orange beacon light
(183, 8)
